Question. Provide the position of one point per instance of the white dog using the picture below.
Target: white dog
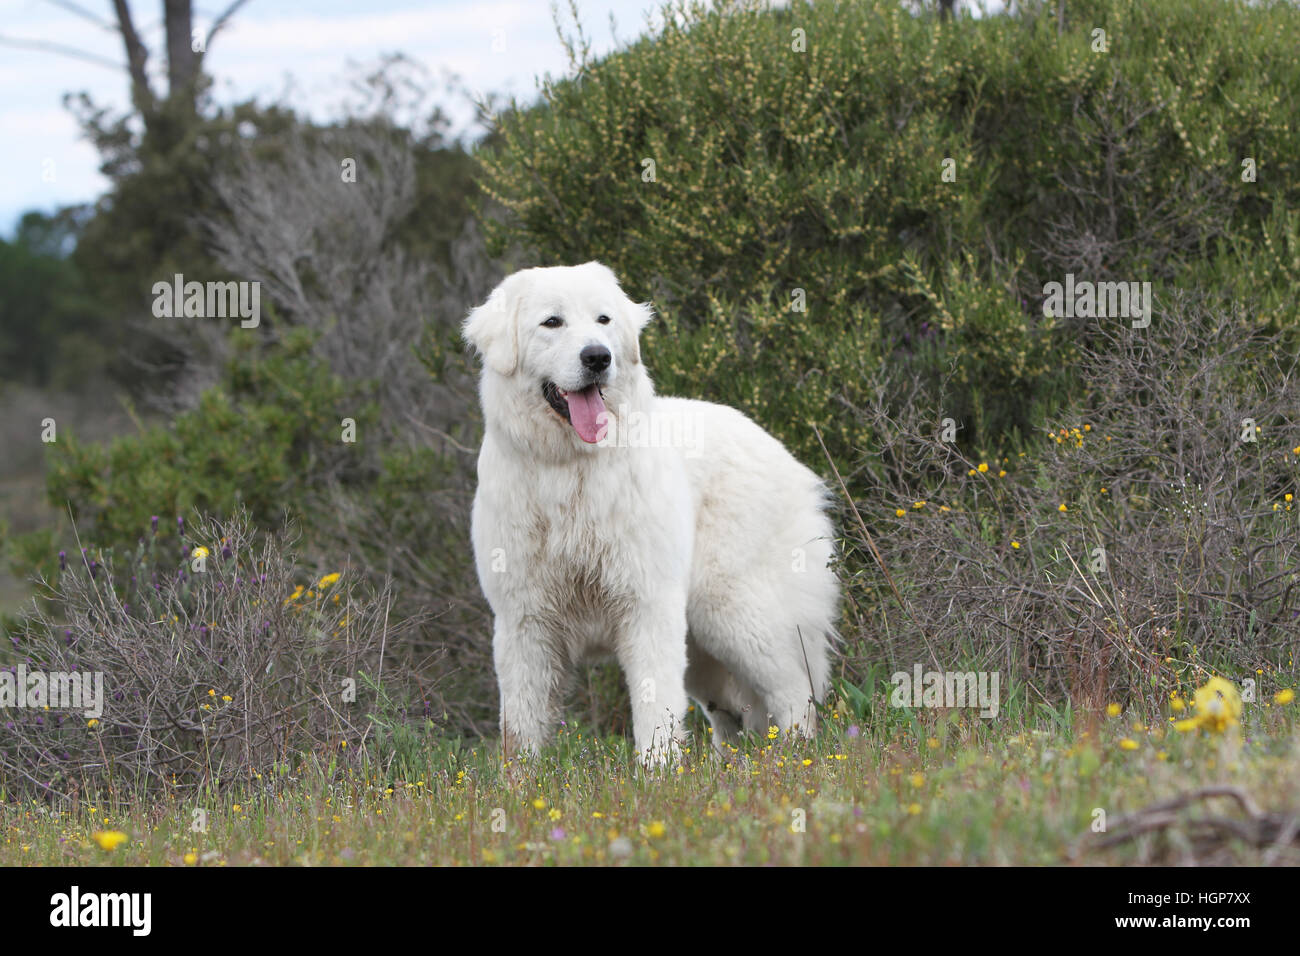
(677, 534)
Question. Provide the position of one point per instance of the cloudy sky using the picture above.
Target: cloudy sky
(271, 46)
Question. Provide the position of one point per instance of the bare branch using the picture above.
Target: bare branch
(47, 47)
(222, 20)
(84, 14)
(137, 54)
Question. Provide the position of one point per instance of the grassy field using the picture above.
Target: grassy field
(902, 786)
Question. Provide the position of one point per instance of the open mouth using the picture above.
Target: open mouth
(584, 410)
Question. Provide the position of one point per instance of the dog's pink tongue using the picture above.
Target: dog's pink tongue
(587, 413)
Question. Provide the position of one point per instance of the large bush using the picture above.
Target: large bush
(798, 160)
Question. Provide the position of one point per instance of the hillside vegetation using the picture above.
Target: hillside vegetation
(847, 217)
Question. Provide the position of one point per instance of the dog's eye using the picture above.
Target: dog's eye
(603, 319)
(554, 322)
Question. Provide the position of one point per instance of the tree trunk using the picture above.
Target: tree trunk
(182, 61)
(136, 57)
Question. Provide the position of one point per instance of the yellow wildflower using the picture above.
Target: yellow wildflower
(109, 839)
(1218, 706)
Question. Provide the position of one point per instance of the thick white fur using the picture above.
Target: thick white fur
(698, 557)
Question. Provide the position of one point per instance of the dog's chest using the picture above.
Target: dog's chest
(583, 542)
(590, 549)
(588, 541)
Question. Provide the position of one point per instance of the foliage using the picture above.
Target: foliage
(799, 158)
(51, 332)
(255, 441)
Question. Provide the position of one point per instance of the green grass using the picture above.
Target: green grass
(893, 786)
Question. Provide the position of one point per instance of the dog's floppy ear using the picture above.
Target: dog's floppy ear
(635, 317)
(493, 330)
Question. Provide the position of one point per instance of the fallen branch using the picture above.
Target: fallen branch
(1260, 829)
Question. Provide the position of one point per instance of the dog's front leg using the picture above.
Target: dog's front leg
(652, 653)
(527, 678)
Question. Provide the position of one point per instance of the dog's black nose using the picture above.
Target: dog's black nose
(595, 357)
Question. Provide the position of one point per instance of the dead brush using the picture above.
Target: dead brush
(1139, 543)
(220, 661)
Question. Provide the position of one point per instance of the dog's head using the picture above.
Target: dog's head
(559, 342)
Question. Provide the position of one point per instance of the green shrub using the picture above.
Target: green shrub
(260, 439)
(801, 152)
